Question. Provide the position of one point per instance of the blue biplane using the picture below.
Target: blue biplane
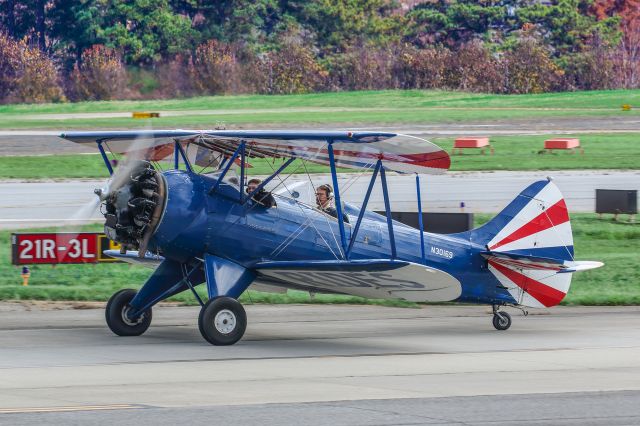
(202, 226)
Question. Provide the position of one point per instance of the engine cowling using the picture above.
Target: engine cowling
(132, 210)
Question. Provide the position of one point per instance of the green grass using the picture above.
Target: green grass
(602, 151)
(618, 246)
(615, 243)
(92, 166)
(354, 108)
(607, 99)
(524, 152)
(98, 282)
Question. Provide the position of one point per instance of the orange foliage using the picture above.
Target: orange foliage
(366, 67)
(26, 74)
(627, 60)
(100, 75)
(215, 69)
(292, 69)
(529, 69)
(424, 68)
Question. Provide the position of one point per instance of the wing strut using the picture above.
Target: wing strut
(179, 152)
(424, 258)
(387, 209)
(269, 179)
(364, 206)
(104, 157)
(379, 168)
(336, 190)
(227, 167)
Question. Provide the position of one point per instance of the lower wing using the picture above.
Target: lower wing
(376, 279)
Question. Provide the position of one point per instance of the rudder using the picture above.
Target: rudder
(528, 243)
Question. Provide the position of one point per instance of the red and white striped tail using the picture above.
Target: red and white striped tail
(530, 250)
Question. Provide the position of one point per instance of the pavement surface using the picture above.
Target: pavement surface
(323, 365)
(29, 204)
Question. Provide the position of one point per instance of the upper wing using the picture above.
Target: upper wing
(356, 150)
(376, 279)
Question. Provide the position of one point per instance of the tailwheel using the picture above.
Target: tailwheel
(222, 321)
(118, 318)
(501, 320)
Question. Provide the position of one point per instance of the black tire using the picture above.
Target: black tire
(115, 315)
(222, 321)
(501, 321)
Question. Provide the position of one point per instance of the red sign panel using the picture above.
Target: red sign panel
(55, 248)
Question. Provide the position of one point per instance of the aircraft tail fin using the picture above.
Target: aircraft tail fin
(529, 246)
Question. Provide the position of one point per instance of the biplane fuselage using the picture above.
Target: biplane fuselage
(250, 234)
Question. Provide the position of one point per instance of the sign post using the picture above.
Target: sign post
(25, 276)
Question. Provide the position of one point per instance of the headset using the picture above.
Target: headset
(327, 188)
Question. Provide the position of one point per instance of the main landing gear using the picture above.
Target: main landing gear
(118, 315)
(222, 321)
(501, 320)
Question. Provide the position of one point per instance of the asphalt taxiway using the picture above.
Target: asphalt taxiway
(324, 364)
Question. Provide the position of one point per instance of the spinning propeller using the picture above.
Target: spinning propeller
(132, 199)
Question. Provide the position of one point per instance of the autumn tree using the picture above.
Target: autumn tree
(26, 73)
(472, 68)
(292, 69)
(99, 75)
(215, 69)
(628, 52)
(365, 66)
(423, 68)
(529, 68)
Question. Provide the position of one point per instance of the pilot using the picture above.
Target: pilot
(261, 197)
(324, 199)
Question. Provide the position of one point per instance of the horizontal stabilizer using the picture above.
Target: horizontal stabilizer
(582, 265)
(149, 260)
(375, 279)
(535, 281)
(523, 261)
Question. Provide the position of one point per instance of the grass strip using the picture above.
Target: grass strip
(601, 151)
(351, 108)
(588, 100)
(301, 119)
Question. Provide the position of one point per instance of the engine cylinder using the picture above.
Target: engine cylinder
(133, 209)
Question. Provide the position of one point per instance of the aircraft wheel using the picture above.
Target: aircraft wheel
(222, 321)
(116, 315)
(501, 320)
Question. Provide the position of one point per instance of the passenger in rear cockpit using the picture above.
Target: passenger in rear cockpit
(261, 197)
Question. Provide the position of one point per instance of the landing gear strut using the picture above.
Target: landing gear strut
(501, 320)
(222, 321)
